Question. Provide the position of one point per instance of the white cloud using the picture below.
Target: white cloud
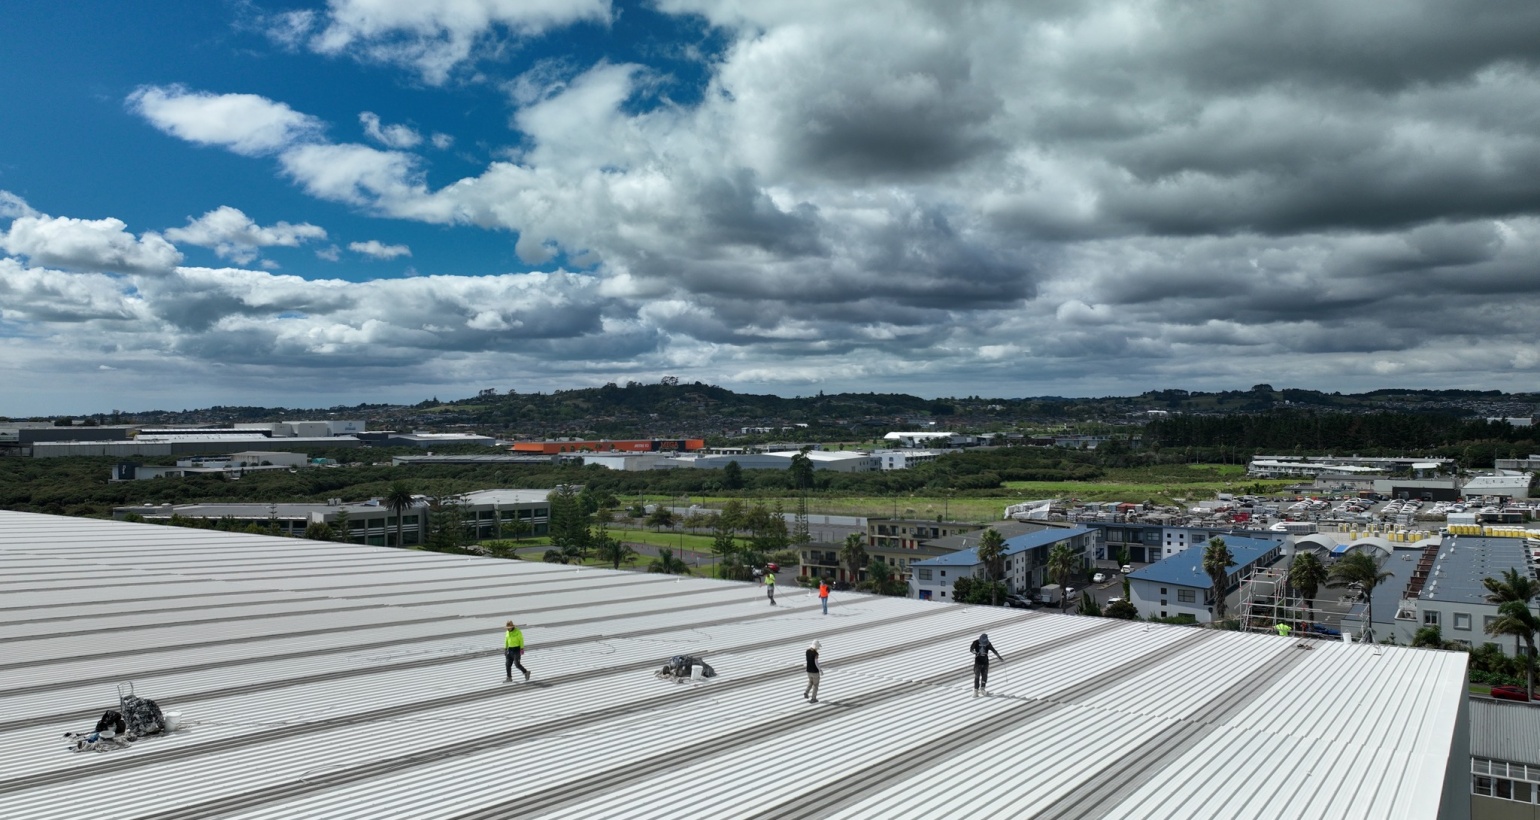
(379, 250)
(391, 136)
(244, 123)
(234, 236)
(433, 37)
(330, 253)
(12, 206)
(88, 245)
(442, 141)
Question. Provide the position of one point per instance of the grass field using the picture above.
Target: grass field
(1180, 485)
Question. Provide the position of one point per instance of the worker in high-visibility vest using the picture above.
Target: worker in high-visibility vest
(1283, 630)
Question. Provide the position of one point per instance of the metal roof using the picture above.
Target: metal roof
(1503, 730)
(319, 679)
(1465, 562)
(1186, 567)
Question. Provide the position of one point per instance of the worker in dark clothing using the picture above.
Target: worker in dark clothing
(981, 649)
(513, 651)
(814, 673)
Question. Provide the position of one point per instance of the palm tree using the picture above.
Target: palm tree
(1307, 574)
(853, 556)
(667, 562)
(398, 501)
(1361, 569)
(992, 553)
(1514, 586)
(1517, 619)
(1217, 559)
(1062, 562)
(615, 551)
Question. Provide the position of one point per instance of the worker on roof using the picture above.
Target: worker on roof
(814, 673)
(513, 651)
(981, 649)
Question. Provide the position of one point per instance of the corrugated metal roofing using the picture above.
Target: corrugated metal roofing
(343, 681)
(1505, 731)
(1186, 567)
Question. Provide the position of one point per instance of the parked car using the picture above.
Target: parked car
(1099, 578)
(1018, 602)
(1125, 569)
(1509, 693)
(772, 567)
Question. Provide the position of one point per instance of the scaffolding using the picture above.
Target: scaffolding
(1267, 600)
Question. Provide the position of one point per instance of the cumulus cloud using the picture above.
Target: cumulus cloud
(244, 123)
(12, 206)
(234, 236)
(1188, 195)
(391, 136)
(379, 250)
(88, 245)
(433, 37)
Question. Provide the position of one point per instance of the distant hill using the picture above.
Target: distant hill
(673, 409)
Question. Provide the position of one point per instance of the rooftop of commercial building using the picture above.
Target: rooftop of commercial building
(1464, 561)
(320, 679)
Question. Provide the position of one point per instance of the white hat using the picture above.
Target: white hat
(815, 646)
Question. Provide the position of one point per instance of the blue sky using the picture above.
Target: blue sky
(309, 204)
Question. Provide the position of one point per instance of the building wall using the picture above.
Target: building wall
(1154, 599)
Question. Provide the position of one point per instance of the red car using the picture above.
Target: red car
(1509, 693)
(773, 567)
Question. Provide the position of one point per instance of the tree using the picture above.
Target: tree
(801, 470)
(667, 562)
(1513, 586)
(1307, 574)
(1429, 637)
(992, 554)
(568, 521)
(1517, 619)
(1513, 594)
(1088, 605)
(661, 517)
(319, 531)
(883, 581)
(853, 556)
(609, 548)
(1122, 610)
(1363, 570)
(343, 529)
(732, 476)
(1217, 559)
(1062, 562)
(446, 525)
(398, 500)
(514, 527)
(800, 534)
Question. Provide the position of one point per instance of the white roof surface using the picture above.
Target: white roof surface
(333, 680)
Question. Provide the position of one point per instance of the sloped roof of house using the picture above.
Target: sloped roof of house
(1186, 567)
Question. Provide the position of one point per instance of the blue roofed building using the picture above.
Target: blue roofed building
(1178, 585)
(1026, 563)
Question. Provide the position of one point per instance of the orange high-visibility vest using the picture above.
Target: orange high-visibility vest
(823, 590)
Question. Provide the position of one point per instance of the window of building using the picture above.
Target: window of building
(1162, 590)
(1430, 618)
(923, 573)
(1186, 596)
(943, 573)
(1462, 621)
(1486, 623)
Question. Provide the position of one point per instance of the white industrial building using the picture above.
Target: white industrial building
(1514, 485)
(318, 679)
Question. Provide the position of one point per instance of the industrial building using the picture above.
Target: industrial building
(319, 679)
(232, 466)
(654, 445)
(485, 513)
